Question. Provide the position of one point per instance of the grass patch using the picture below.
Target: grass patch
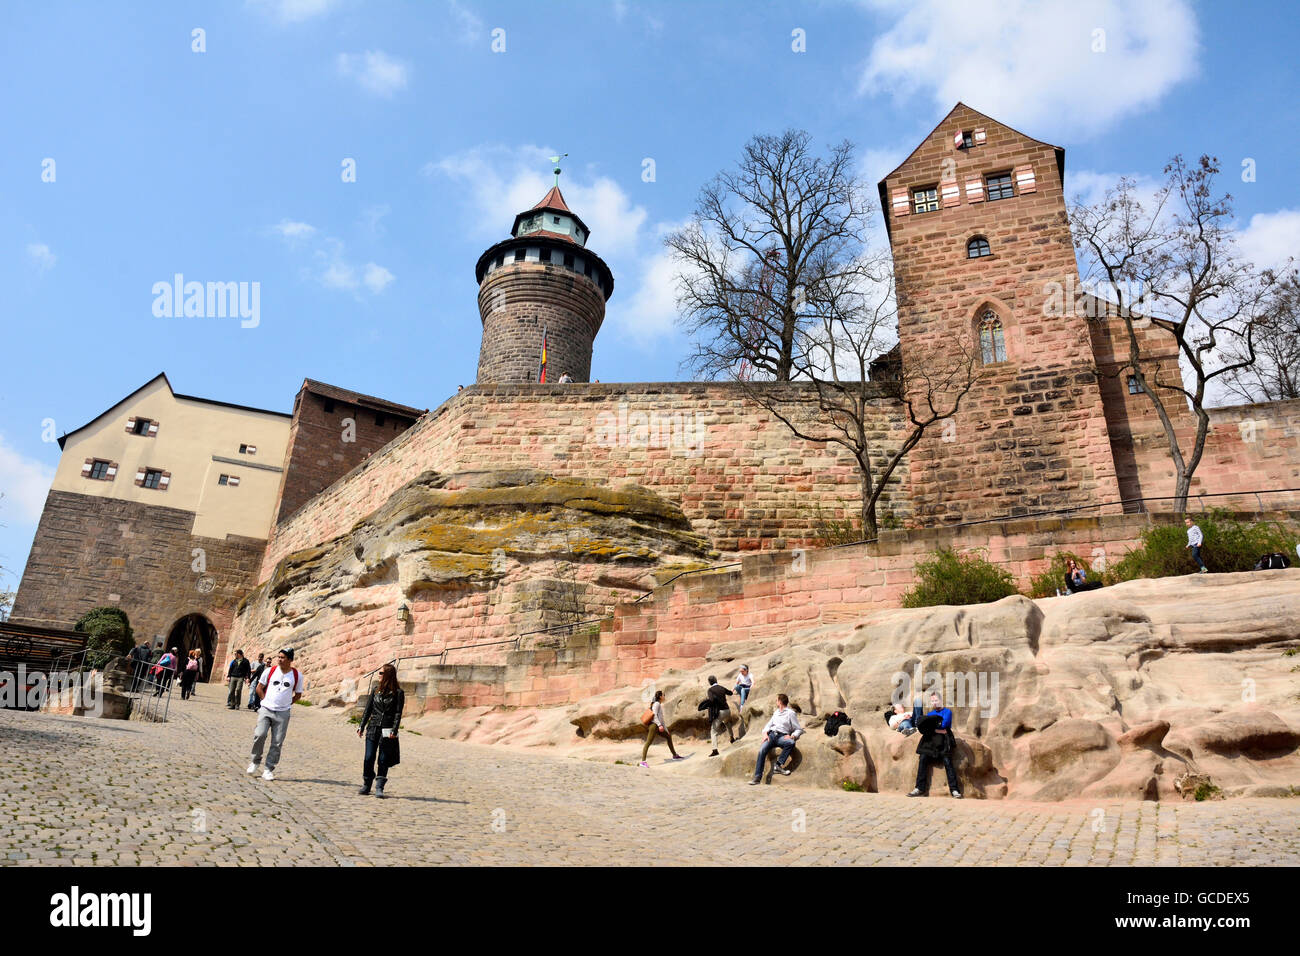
(947, 577)
(1206, 791)
(303, 703)
(852, 787)
(1230, 545)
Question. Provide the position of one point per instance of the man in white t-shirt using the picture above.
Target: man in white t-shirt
(278, 689)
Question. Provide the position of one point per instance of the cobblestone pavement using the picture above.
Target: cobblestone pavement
(87, 791)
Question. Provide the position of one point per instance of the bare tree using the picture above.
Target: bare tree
(762, 237)
(1275, 375)
(855, 320)
(1172, 266)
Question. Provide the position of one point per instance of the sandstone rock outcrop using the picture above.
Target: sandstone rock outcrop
(1116, 693)
(479, 554)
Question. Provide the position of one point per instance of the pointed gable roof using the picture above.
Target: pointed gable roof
(974, 116)
(553, 201)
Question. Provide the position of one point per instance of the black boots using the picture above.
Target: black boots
(379, 786)
(365, 790)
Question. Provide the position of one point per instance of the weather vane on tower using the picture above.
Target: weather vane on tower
(555, 161)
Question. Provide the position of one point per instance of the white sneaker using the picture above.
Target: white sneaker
(252, 769)
(267, 775)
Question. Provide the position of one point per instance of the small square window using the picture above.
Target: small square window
(568, 260)
(501, 260)
(545, 255)
(152, 478)
(925, 200)
(329, 406)
(243, 449)
(99, 469)
(999, 187)
(224, 479)
(141, 426)
(519, 254)
(379, 419)
(555, 219)
(1134, 386)
(967, 139)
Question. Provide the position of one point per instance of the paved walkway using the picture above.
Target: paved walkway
(86, 791)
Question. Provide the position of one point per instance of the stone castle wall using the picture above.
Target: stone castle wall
(518, 301)
(738, 474)
(91, 551)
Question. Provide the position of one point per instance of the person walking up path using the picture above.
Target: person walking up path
(253, 679)
(279, 688)
(715, 703)
(1195, 539)
(236, 674)
(657, 726)
(383, 717)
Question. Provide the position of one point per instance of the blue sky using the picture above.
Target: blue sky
(226, 164)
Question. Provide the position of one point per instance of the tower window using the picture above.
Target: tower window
(999, 187)
(501, 260)
(329, 406)
(925, 200)
(568, 260)
(977, 248)
(1134, 386)
(992, 347)
(519, 254)
(545, 255)
(555, 219)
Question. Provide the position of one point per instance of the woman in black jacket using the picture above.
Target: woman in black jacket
(379, 726)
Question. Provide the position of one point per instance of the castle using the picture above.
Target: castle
(184, 511)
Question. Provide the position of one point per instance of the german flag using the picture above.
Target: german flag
(541, 369)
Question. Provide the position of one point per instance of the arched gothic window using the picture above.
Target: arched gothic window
(992, 347)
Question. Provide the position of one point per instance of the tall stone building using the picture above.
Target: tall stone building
(542, 282)
(976, 220)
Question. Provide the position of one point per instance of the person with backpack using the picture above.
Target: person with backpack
(165, 670)
(782, 731)
(655, 725)
(383, 717)
(279, 688)
(236, 674)
(252, 680)
(190, 674)
(937, 743)
(1195, 540)
(715, 703)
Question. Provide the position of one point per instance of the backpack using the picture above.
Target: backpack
(835, 721)
(193, 665)
(271, 670)
(1270, 562)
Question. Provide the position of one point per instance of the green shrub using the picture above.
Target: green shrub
(851, 786)
(952, 578)
(1230, 545)
(1206, 791)
(108, 634)
(1049, 581)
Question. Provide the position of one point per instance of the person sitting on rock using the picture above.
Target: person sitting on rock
(1076, 578)
(937, 743)
(715, 703)
(782, 731)
(744, 684)
(899, 718)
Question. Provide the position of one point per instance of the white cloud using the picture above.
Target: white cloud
(295, 11)
(40, 256)
(376, 278)
(289, 230)
(24, 482)
(1270, 238)
(375, 70)
(501, 182)
(1032, 65)
(469, 26)
(330, 266)
(650, 310)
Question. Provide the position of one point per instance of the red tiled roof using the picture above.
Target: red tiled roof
(553, 200)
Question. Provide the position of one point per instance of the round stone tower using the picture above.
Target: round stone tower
(541, 285)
